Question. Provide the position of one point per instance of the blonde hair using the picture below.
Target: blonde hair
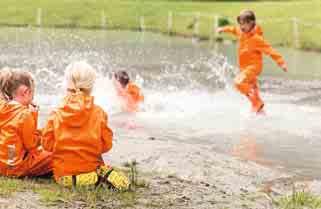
(5, 73)
(11, 79)
(80, 76)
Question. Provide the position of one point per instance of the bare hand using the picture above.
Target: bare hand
(284, 68)
(219, 30)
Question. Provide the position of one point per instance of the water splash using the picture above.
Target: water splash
(188, 90)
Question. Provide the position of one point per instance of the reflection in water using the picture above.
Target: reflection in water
(248, 149)
(188, 94)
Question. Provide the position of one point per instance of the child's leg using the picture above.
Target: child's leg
(254, 96)
(115, 178)
(104, 174)
(84, 179)
(36, 164)
(246, 83)
(40, 164)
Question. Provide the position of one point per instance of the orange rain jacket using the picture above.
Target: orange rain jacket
(77, 134)
(131, 97)
(251, 48)
(20, 154)
(2, 102)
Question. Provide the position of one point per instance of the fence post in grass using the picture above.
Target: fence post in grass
(103, 20)
(39, 17)
(216, 24)
(142, 24)
(170, 23)
(296, 35)
(197, 24)
(213, 29)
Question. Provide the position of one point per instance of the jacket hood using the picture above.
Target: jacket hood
(76, 109)
(8, 110)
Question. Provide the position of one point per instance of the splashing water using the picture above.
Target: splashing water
(190, 101)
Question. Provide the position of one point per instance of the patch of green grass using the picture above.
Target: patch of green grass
(299, 200)
(276, 15)
(135, 182)
(9, 186)
(51, 193)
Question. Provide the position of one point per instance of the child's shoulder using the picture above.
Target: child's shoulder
(257, 39)
(133, 87)
(23, 112)
(99, 110)
(17, 107)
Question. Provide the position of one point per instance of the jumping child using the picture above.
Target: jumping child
(251, 48)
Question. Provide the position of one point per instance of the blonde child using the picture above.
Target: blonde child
(77, 133)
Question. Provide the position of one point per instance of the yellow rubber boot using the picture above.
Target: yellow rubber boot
(85, 179)
(116, 178)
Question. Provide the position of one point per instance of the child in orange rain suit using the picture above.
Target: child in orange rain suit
(77, 133)
(20, 153)
(129, 93)
(251, 49)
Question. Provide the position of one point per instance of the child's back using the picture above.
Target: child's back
(15, 119)
(77, 132)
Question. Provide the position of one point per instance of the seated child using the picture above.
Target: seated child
(128, 92)
(20, 153)
(77, 133)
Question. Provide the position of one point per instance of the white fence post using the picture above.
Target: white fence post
(213, 28)
(103, 19)
(142, 23)
(216, 24)
(197, 24)
(170, 22)
(39, 17)
(296, 35)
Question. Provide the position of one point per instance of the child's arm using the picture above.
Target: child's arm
(29, 138)
(48, 137)
(135, 93)
(229, 29)
(107, 135)
(264, 47)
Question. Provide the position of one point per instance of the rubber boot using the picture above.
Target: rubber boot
(256, 101)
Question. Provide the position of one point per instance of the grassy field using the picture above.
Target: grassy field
(51, 194)
(299, 200)
(125, 14)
